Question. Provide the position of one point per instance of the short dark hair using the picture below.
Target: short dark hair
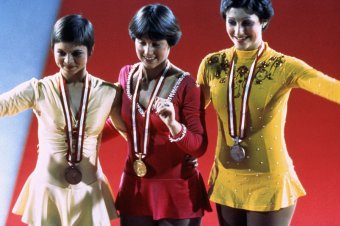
(74, 29)
(157, 22)
(262, 8)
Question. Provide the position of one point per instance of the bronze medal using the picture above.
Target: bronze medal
(73, 175)
(74, 133)
(139, 167)
(237, 152)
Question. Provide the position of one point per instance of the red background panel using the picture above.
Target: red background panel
(305, 29)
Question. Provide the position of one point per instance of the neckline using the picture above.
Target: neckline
(247, 54)
(129, 83)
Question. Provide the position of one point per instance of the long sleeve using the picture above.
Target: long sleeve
(304, 76)
(253, 183)
(109, 131)
(192, 113)
(203, 83)
(18, 99)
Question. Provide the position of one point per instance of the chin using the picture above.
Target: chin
(150, 66)
(244, 47)
(240, 47)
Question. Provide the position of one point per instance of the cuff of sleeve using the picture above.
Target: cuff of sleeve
(178, 136)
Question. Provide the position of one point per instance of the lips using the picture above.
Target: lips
(69, 68)
(149, 58)
(240, 39)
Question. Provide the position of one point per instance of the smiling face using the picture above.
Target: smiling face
(152, 54)
(244, 29)
(71, 59)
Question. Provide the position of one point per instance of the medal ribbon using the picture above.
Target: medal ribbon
(245, 97)
(148, 110)
(75, 151)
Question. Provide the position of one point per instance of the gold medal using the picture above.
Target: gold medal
(139, 167)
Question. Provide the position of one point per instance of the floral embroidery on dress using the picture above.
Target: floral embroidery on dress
(170, 96)
(264, 68)
(219, 63)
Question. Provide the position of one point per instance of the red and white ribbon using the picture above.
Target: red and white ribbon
(148, 110)
(75, 150)
(245, 97)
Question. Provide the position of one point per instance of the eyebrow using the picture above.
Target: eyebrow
(246, 17)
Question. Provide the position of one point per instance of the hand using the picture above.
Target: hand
(191, 161)
(165, 110)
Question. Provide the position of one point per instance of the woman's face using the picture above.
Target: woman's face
(152, 53)
(71, 59)
(244, 29)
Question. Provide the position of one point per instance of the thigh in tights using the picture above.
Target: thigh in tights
(228, 216)
(148, 221)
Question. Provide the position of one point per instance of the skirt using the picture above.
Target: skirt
(41, 203)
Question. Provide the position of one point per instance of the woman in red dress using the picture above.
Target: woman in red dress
(165, 123)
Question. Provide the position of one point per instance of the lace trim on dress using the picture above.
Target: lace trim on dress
(171, 94)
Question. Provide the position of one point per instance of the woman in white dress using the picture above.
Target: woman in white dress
(67, 186)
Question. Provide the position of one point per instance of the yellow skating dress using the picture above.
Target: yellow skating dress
(265, 180)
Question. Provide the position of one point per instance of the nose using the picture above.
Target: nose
(148, 50)
(68, 59)
(238, 30)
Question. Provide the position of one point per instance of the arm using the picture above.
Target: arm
(115, 124)
(18, 99)
(115, 120)
(314, 81)
(189, 132)
(203, 83)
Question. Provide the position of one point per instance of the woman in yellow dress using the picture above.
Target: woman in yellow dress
(253, 181)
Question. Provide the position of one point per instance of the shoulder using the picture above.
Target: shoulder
(218, 57)
(180, 75)
(48, 81)
(284, 59)
(49, 78)
(125, 72)
(185, 81)
(126, 68)
(102, 84)
(188, 79)
(289, 66)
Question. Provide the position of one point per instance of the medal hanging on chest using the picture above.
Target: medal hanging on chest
(237, 152)
(139, 166)
(74, 133)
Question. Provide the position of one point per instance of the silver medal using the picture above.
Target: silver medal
(237, 152)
